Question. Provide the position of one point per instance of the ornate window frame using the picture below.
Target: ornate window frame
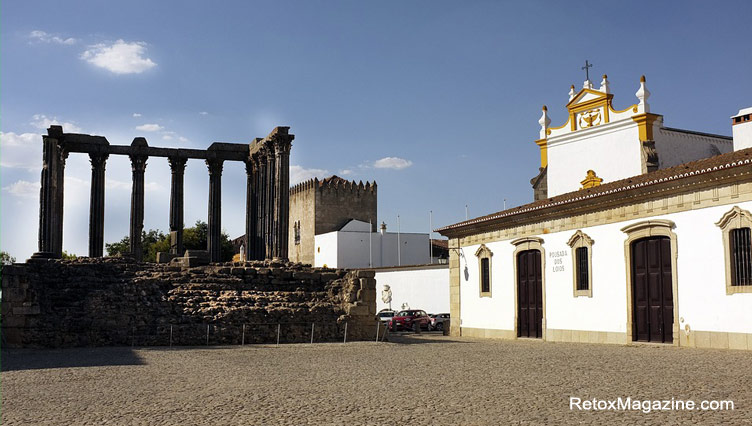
(484, 252)
(733, 219)
(579, 240)
(645, 229)
(520, 245)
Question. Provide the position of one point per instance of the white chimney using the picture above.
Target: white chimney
(741, 127)
(383, 228)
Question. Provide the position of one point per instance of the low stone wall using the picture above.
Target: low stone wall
(112, 301)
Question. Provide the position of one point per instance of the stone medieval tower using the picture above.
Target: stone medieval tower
(321, 206)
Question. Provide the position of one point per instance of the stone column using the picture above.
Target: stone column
(48, 215)
(59, 205)
(260, 242)
(96, 204)
(270, 194)
(177, 166)
(282, 196)
(250, 208)
(138, 165)
(214, 243)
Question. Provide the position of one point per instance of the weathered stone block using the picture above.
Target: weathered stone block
(329, 276)
(14, 294)
(26, 310)
(359, 310)
(163, 257)
(365, 274)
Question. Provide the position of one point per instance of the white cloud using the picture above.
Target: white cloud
(8, 139)
(119, 185)
(43, 37)
(299, 174)
(149, 127)
(119, 57)
(21, 151)
(203, 113)
(42, 122)
(136, 115)
(395, 163)
(183, 139)
(346, 172)
(23, 188)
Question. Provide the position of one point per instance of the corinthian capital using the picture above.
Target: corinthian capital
(214, 165)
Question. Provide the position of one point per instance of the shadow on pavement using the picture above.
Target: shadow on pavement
(410, 338)
(12, 359)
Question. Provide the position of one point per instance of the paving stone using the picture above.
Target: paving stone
(417, 380)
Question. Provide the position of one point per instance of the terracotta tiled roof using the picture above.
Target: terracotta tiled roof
(440, 243)
(334, 180)
(741, 158)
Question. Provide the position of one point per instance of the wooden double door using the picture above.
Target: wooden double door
(652, 290)
(529, 294)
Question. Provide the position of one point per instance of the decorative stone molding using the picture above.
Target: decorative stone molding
(484, 252)
(733, 219)
(582, 240)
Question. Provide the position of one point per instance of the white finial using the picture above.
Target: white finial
(643, 94)
(571, 92)
(604, 84)
(544, 122)
(587, 85)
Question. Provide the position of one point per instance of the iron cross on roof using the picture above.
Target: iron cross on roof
(587, 65)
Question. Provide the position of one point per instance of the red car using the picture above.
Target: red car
(406, 320)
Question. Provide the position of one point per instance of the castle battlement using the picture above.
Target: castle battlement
(333, 183)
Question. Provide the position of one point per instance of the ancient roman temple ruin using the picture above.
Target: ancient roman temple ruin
(267, 164)
(96, 300)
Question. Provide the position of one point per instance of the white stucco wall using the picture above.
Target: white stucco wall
(425, 287)
(611, 150)
(702, 300)
(350, 249)
(676, 148)
(325, 250)
(742, 132)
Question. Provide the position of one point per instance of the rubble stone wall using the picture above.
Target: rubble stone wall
(111, 301)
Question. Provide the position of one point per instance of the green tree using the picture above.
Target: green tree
(6, 258)
(156, 241)
(68, 256)
(152, 242)
(119, 248)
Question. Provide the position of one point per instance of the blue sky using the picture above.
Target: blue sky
(437, 101)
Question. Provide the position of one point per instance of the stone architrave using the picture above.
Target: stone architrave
(138, 166)
(177, 168)
(96, 204)
(214, 241)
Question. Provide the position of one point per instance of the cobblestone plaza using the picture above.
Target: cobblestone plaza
(416, 380)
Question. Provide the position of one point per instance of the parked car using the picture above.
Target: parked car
(437, 321)
(406, 320)
(385, 315)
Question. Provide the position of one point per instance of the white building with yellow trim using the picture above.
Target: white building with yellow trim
(639, 233)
